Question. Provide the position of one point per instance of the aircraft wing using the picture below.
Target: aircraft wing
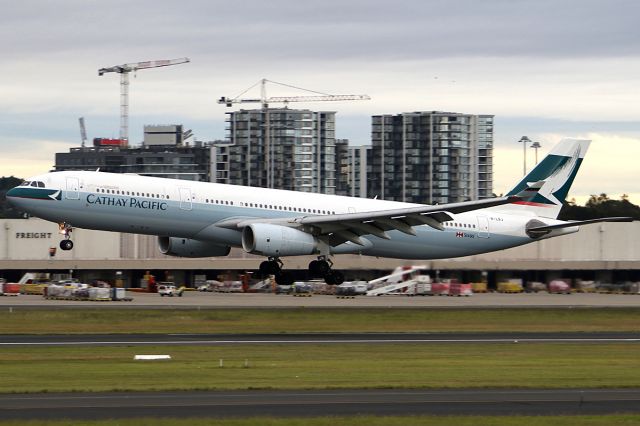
(340, 228)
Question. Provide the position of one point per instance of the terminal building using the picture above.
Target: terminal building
(608, 252)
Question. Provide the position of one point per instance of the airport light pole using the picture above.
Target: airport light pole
(535, 147)
(524, 140)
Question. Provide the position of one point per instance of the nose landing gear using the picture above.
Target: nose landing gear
(65, 230)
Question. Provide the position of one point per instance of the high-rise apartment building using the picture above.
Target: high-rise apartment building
(431, 157)
(281, 148)
(353, 169)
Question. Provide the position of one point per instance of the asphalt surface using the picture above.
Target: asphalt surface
(318, 403)
(321, 403)
(198, 300)
(314, 338)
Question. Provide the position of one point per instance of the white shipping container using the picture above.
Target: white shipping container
(119, 293)
(102, 293)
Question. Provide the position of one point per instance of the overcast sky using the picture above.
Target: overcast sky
(546, 69)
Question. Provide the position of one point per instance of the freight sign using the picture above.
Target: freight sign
(20, 235)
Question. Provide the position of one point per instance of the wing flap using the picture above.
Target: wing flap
(339, 228)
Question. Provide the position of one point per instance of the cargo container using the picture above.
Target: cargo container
(560, 287)
(440, 289)
(479, 287)
(510, 286)
(11, 289)
(586, 286)
(535, 286)
(458, 289)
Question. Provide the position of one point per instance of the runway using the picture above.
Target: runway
(314, 338)
(319, 403)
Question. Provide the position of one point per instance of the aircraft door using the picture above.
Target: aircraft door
(483, 227)
(73, 188)
(185, 199)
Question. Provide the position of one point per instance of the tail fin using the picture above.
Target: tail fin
(558, 170)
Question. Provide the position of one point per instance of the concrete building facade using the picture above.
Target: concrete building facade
(280, 148)
(353, 169)
(431, 157)
(606, 251)
(163, 153)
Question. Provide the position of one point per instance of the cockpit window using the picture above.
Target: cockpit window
(40, 184)
(25, 183)
(34, 183)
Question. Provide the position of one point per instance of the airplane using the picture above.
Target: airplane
(202, 219)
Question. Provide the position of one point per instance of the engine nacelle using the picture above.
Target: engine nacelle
(275, 240)
(186, 247)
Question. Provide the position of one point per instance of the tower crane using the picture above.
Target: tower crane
(264, 100)
(124, 71)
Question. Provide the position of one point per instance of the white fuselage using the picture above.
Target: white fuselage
(186, 209)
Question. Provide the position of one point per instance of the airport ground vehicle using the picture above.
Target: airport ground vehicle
(169, 290)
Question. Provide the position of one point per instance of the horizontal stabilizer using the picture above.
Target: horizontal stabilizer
(577, 223)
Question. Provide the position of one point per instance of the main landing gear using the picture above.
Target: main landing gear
(320, 268)
(65, 230)
(273, 266)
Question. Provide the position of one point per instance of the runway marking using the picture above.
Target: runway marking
(324, 341)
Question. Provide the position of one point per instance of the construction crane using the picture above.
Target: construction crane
(264, 100)
(83, 131)
(124, 71)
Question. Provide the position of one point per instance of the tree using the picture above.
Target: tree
(6, 211)
(600, 206)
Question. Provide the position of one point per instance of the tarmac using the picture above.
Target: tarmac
(7, 340)
(201, 300)
(78, 406)
(220, 404)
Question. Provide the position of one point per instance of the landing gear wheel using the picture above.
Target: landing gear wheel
(66, 245)
(284, 278)
(269, 267)
(319, 268)
(334, 278)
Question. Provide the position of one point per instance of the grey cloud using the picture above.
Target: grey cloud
(327, 30)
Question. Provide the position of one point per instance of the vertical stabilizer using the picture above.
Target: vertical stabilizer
(558, 170)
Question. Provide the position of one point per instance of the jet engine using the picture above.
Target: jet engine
(276, 240)
(186, 247)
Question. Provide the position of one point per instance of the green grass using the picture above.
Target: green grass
(296, 320)
(605, 420)
(279, 366)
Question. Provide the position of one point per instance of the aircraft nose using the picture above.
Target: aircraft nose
(13, 192)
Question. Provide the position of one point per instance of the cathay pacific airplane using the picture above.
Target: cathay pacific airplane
(201, 219)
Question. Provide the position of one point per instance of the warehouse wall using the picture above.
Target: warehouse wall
(30, 239)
